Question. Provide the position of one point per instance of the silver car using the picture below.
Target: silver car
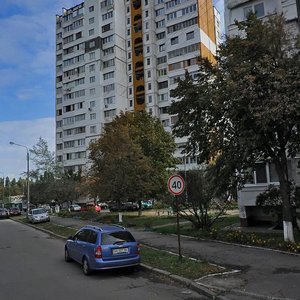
(38, 215)
(4, 213)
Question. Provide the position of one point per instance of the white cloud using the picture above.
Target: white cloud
(27, 39)
(27, 133)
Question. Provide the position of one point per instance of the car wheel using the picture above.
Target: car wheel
(85, 267)
(67, 256)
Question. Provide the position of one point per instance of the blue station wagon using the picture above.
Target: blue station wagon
(102, 247)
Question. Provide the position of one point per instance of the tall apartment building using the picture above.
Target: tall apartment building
(264, 174)
(123, 55)
(239, 9)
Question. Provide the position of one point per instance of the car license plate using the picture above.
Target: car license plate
(120, 250)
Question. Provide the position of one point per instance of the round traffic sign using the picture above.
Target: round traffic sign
(176, 185)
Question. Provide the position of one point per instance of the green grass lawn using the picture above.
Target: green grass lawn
(130, 219)
(185, 267)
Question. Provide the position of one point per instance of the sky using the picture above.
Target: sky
(27, 77)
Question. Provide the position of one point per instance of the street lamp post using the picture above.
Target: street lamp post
(28, 196)
(3, 187)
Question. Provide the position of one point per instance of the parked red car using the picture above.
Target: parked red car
(14, 211)
(90, 206)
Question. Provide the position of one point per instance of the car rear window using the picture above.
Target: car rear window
(116, 237)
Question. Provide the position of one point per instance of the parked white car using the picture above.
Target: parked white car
(38, 215)
(75, 207)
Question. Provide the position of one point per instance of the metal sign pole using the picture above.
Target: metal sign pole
(176, 187)
(178, 230)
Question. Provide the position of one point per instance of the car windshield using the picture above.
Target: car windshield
(117, 237)
(38, 211)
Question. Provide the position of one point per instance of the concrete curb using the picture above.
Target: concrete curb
(187, 282)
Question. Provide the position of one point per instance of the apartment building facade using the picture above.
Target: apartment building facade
(124, 55)
(265, 173)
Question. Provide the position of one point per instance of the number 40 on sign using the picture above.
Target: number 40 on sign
(176, 185)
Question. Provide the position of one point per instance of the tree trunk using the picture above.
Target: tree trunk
(282, 170)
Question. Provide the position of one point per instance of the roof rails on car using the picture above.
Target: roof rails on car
(117, 225)
(94, 227)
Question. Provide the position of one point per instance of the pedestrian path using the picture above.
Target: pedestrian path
(256, 273)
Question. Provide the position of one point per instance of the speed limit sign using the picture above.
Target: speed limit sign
(176, 185)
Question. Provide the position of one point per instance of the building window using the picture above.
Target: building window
(93, 129)
(109, 113)
(93, 116)
(159, 12)
(91, 8)
(91, 32)
(106, 28)
(92, 92)
(108, 75)
(190, 35)
(92, 55)
(161, 35)
(258, 9)
(78, 35)
(160, 24)
(108, 39)
(174, 40)
(260, 173)
(92, 68)
(108, 63)
(165, 123)
(162, 47)
(91, 20)
(273, 173)
(92, 79)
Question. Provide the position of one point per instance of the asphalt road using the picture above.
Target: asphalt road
(265, 274)
(32, 267)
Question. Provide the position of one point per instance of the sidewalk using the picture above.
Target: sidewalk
(256, 273)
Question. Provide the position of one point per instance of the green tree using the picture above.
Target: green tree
(196, 202)
(246, 108)
(130, 159)
(51, 182)
(43, 158)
